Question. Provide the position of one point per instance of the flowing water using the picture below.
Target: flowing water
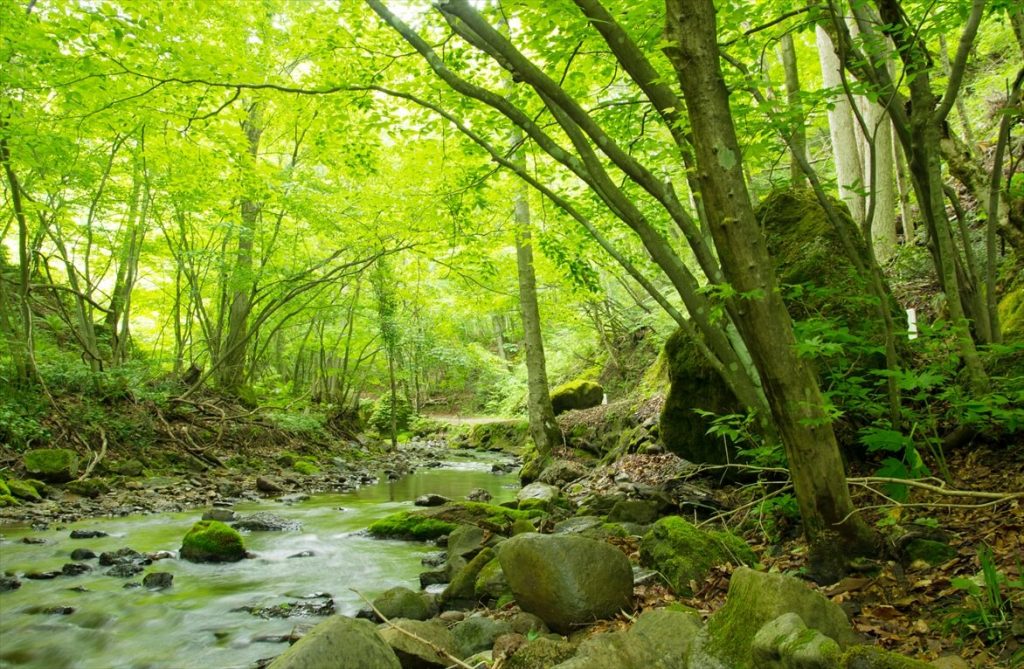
(192, 624)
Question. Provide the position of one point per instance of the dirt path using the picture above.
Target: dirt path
(467, 420)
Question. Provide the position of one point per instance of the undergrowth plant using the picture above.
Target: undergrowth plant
(994, 603)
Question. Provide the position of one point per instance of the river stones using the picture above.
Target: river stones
(300, 609)
(8, 583)
(339, 642)
(566, 580)
(265, 522)
(659, 639)
(75, 569)
(82, 554)
(125, 570)
(123, 556)
(477, 633)
(420, 653)
(479, 495)
(222, 515)
(212, 541)
(57, 465)
(268, 484)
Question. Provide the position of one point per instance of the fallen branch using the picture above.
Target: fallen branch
(96, 459)
(938, 489)
(433, 646)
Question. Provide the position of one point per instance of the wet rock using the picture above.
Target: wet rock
(42, 575)
(75, 569)
(339, 642)
(160, 555)
(8, 583)
(125, 570)
(123, 556)
(131, 586)
(434, 559)
(87, 534)
(302, 554)
(265, 522)
(299, 609)
(223, 515)
(431, 499)
(566, 580)
(157, 580)
(479, 495)
(434, 577)
(51, 610)
(33, 540)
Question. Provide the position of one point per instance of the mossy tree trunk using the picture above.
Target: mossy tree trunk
(830, 520)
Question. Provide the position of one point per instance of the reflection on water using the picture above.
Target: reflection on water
(192, 623)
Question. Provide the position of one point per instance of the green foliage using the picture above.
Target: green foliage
(294, 422)
(21, 421)
(994, 602)
(380, 419)
(410, 525)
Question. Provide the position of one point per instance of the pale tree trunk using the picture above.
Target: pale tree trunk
(841, 130)
(876, 150)
(240, 285)
(543, 428)
(904, 188)
(23, 343)
(830, 521)
(798, 137)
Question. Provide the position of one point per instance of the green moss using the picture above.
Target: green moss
(682, 552)
(869, 657)
(410, 525)
(1011, 314)
(578, 394)
(463, 585)
(491, 582)
(52, 464)
(510, 436)
(522, 525)
(7, 500)
(306, 467)
(543, 505)
(212, 541)
(23, 490)
(4, 490)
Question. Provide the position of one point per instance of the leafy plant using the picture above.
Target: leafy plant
(992, 600)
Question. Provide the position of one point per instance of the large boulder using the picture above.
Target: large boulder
(786, 643)
(566, 580)
(659, 639)
(339, 642)
(461, 592)
(756, 598)
(400, 602)
(576, 395)
(56, 465)
(537, 495)
(491, 582)
(682, 552)
(420, 653)
(212, 541)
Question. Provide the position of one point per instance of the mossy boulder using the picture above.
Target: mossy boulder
(462, 589)
(579, 394)
(682, 552)
(477, 633)
(695, 388)
(756, 598)
(23, 490)
(399, 602)
(92, 487)
(4, 490)
(506, 436)
(541, 653)
(8, 500)
(491, 582)
(410, 525)
(659, 639)
(212, 541)
(566, 580)
(419, 652)
(56, 465)
(339, 641)
(306, 467)
(787, 643)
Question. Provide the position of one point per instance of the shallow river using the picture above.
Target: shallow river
(191, 624)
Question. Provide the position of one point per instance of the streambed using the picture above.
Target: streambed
(193, 623)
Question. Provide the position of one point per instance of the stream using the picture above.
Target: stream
(192, 623)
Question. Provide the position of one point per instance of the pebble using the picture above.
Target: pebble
(157, 580)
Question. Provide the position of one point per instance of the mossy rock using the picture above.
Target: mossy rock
(8, 500)
(533, 466)
(541, 653)
(400, 602)
(491, 582)
(4, 490)
(462, 589)
(412, 525)
(930, 551)
(579, 394)
(88, 487)
(870, 657)
(682, 552)
(507, 436)
(306, 467)
(130, 467)
(694, 387)
(212, 541)
(1011, 314)
(23, 490)
(57, 465)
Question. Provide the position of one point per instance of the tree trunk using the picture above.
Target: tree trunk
(841, 130)
(240, 286)
(831, 523)
(23, 350)
(798, 136)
